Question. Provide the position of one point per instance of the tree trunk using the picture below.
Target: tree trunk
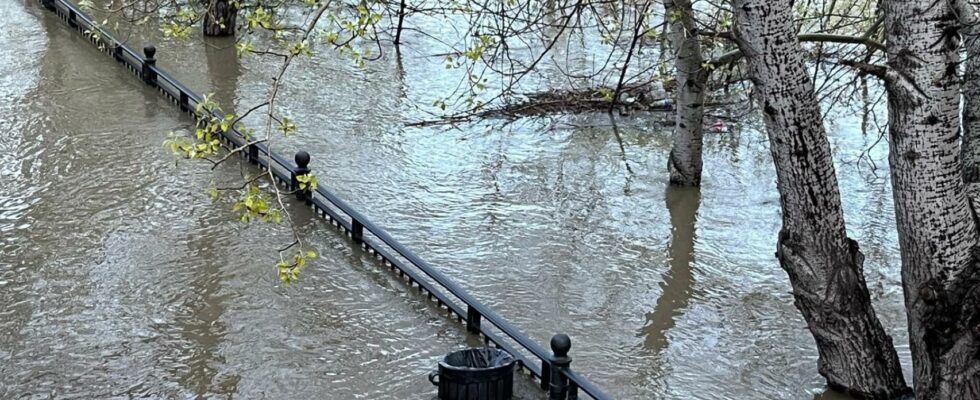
(825, 267)
(970, 32)
(684, 162)
(220, 18)
(937, 228)
(398, 30)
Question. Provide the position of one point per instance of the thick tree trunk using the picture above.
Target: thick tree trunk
(220, 18)
(937, 228)
(684, 162)
(825, 267)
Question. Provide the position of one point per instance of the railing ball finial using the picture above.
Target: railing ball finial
(302, 168)
(302, 159)
(561, 344)
(149, 52)
(146, 68)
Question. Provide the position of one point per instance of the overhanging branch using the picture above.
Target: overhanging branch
(879, 71)
(873, 45)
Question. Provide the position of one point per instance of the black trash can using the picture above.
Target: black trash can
(475, 374)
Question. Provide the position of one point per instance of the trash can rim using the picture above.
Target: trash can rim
(510, 360)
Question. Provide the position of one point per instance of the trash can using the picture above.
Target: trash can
(475, 374)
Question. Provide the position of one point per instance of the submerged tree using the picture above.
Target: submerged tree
(684, 162)
(937, 226)
(220, 18)
(824, 266)
(509, 41)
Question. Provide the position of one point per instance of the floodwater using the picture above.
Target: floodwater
(120, 279)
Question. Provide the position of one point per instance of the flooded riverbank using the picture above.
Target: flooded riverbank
(118, 277)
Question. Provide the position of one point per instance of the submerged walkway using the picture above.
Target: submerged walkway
(119, 279)
(551, 371)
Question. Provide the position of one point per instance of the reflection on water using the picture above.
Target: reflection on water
(678, 281)
(224, 70)
(202, 326)
(119, 278)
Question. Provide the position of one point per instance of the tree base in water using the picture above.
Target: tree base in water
(220, 19)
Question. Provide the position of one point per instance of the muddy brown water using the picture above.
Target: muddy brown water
(120, 279)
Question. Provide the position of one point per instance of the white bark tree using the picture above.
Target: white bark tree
(684, 163)
(937, 227)
(970, 31)
(825, 267)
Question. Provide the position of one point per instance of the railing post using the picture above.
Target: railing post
(546, 374)
(253, 153)
(302, 159)
(184, 103)
(149, 75)
(473, 318)
(560, 345)
(356, 231)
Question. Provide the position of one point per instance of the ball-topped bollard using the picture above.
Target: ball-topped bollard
(149, 60)
(150, 51)
(561, 344)
(302, 159)
(558, 384)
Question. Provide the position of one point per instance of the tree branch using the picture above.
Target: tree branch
(873, 45)
(879, 71)
(238, 149)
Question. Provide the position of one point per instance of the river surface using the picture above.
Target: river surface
(120, 279)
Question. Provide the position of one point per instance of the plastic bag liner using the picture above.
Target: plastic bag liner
(478, 358)
(475, 374)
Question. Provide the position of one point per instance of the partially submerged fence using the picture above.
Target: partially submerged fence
(551, 368)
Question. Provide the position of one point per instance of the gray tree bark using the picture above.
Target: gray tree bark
(825, 267)
(937, 227)
(684, 163)
(220, 18)
(970, 31)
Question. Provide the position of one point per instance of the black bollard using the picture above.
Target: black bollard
(357, 231)
(117, 52)
(560, 345)
(72, 18)
(302, 159)
(253, 153)
(473, 318)
(149, 75)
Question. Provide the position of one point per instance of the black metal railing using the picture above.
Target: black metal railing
(551, 368)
